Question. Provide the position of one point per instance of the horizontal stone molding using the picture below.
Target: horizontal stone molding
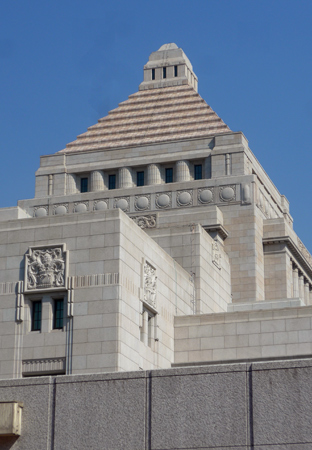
(99, 279)
(43, 365)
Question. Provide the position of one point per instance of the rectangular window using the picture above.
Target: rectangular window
(58, 314)
(36, 316)
(84, 185)
(169, 175)
(198, 172)
(153, 74)
(164, 72)
(175, 71)
(140, 178)
(112, 181)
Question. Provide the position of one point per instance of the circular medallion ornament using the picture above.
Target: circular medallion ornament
(163, 201)
(122, 204)
(81, 207)
(184, 198)
(227, 194)
(41, 212)
(100, 206)
(59, 210)
(142, 203)
(206, 196)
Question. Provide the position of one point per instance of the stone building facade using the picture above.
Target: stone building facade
(155, 240)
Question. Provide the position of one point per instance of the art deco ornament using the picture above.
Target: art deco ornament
(45, 268)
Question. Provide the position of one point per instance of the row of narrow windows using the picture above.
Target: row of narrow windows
(58, 315)
(164, 72)
(140, 178)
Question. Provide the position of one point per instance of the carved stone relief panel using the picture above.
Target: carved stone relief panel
(227, 193)
(122, 203)
(45, 268)
(205, 195)
(185, 198)
(145, 221)
(142, 202)
(61, 208)
(150, 284)
(41, 211)
(163, 200)
(80, 207)
(100, 205)
(216, 255)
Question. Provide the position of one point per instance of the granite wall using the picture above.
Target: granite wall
(263, 406)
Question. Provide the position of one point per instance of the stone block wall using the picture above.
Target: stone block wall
(263, 406)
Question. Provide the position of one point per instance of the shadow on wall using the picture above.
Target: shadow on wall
(6, 443)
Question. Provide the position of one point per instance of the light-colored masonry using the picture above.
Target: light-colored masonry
(155, 239)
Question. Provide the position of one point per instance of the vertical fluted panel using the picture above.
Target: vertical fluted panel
(153, 174)
(306, 292)
(125, 177)
(97, 181)
(71, 184)
(182, 171)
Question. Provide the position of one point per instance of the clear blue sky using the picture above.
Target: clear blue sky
(64, 64)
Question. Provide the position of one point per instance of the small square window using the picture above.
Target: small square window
(36, 316)
(198, 172)
(84, 185)
(169, 175)
(164, 72)
(112, 181)
(140, 178)
(58, 314)
(153, 74)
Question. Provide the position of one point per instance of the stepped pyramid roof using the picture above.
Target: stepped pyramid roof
(164, 109)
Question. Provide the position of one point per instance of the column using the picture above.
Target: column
(310, 295)
(50, 185)
(153, 174)
(97, 181)
(295, 282)
(301, 286)
(71, 183)
(291, 280)
(306, 292)
(227, 164)
(125, 177)
(182, 171)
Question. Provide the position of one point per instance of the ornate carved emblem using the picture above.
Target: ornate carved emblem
(150, 284)
(216, 255)
(45, 268)
(145, 221)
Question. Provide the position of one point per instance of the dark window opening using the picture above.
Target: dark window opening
(175, 71)
(140, 178)
(58, 314)
(84, 185)
(169, 175)
(36, 316)
(112, 182)
(153, 74)
(164, 72)
(198, 172)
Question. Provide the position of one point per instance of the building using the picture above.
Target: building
(155, 241)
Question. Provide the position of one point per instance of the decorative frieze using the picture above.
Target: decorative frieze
(122, 203)
(163, 200)
(142, 202)
(227, 193)
(99, 279)
(8, 288)
(205, 195)
(80, 207)
(60, 209)
(145, 221)
(304, 251)
(150, 284)
(43, 365)
(45, 268)
(41, 211)
(100, 205)
(185, 198)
